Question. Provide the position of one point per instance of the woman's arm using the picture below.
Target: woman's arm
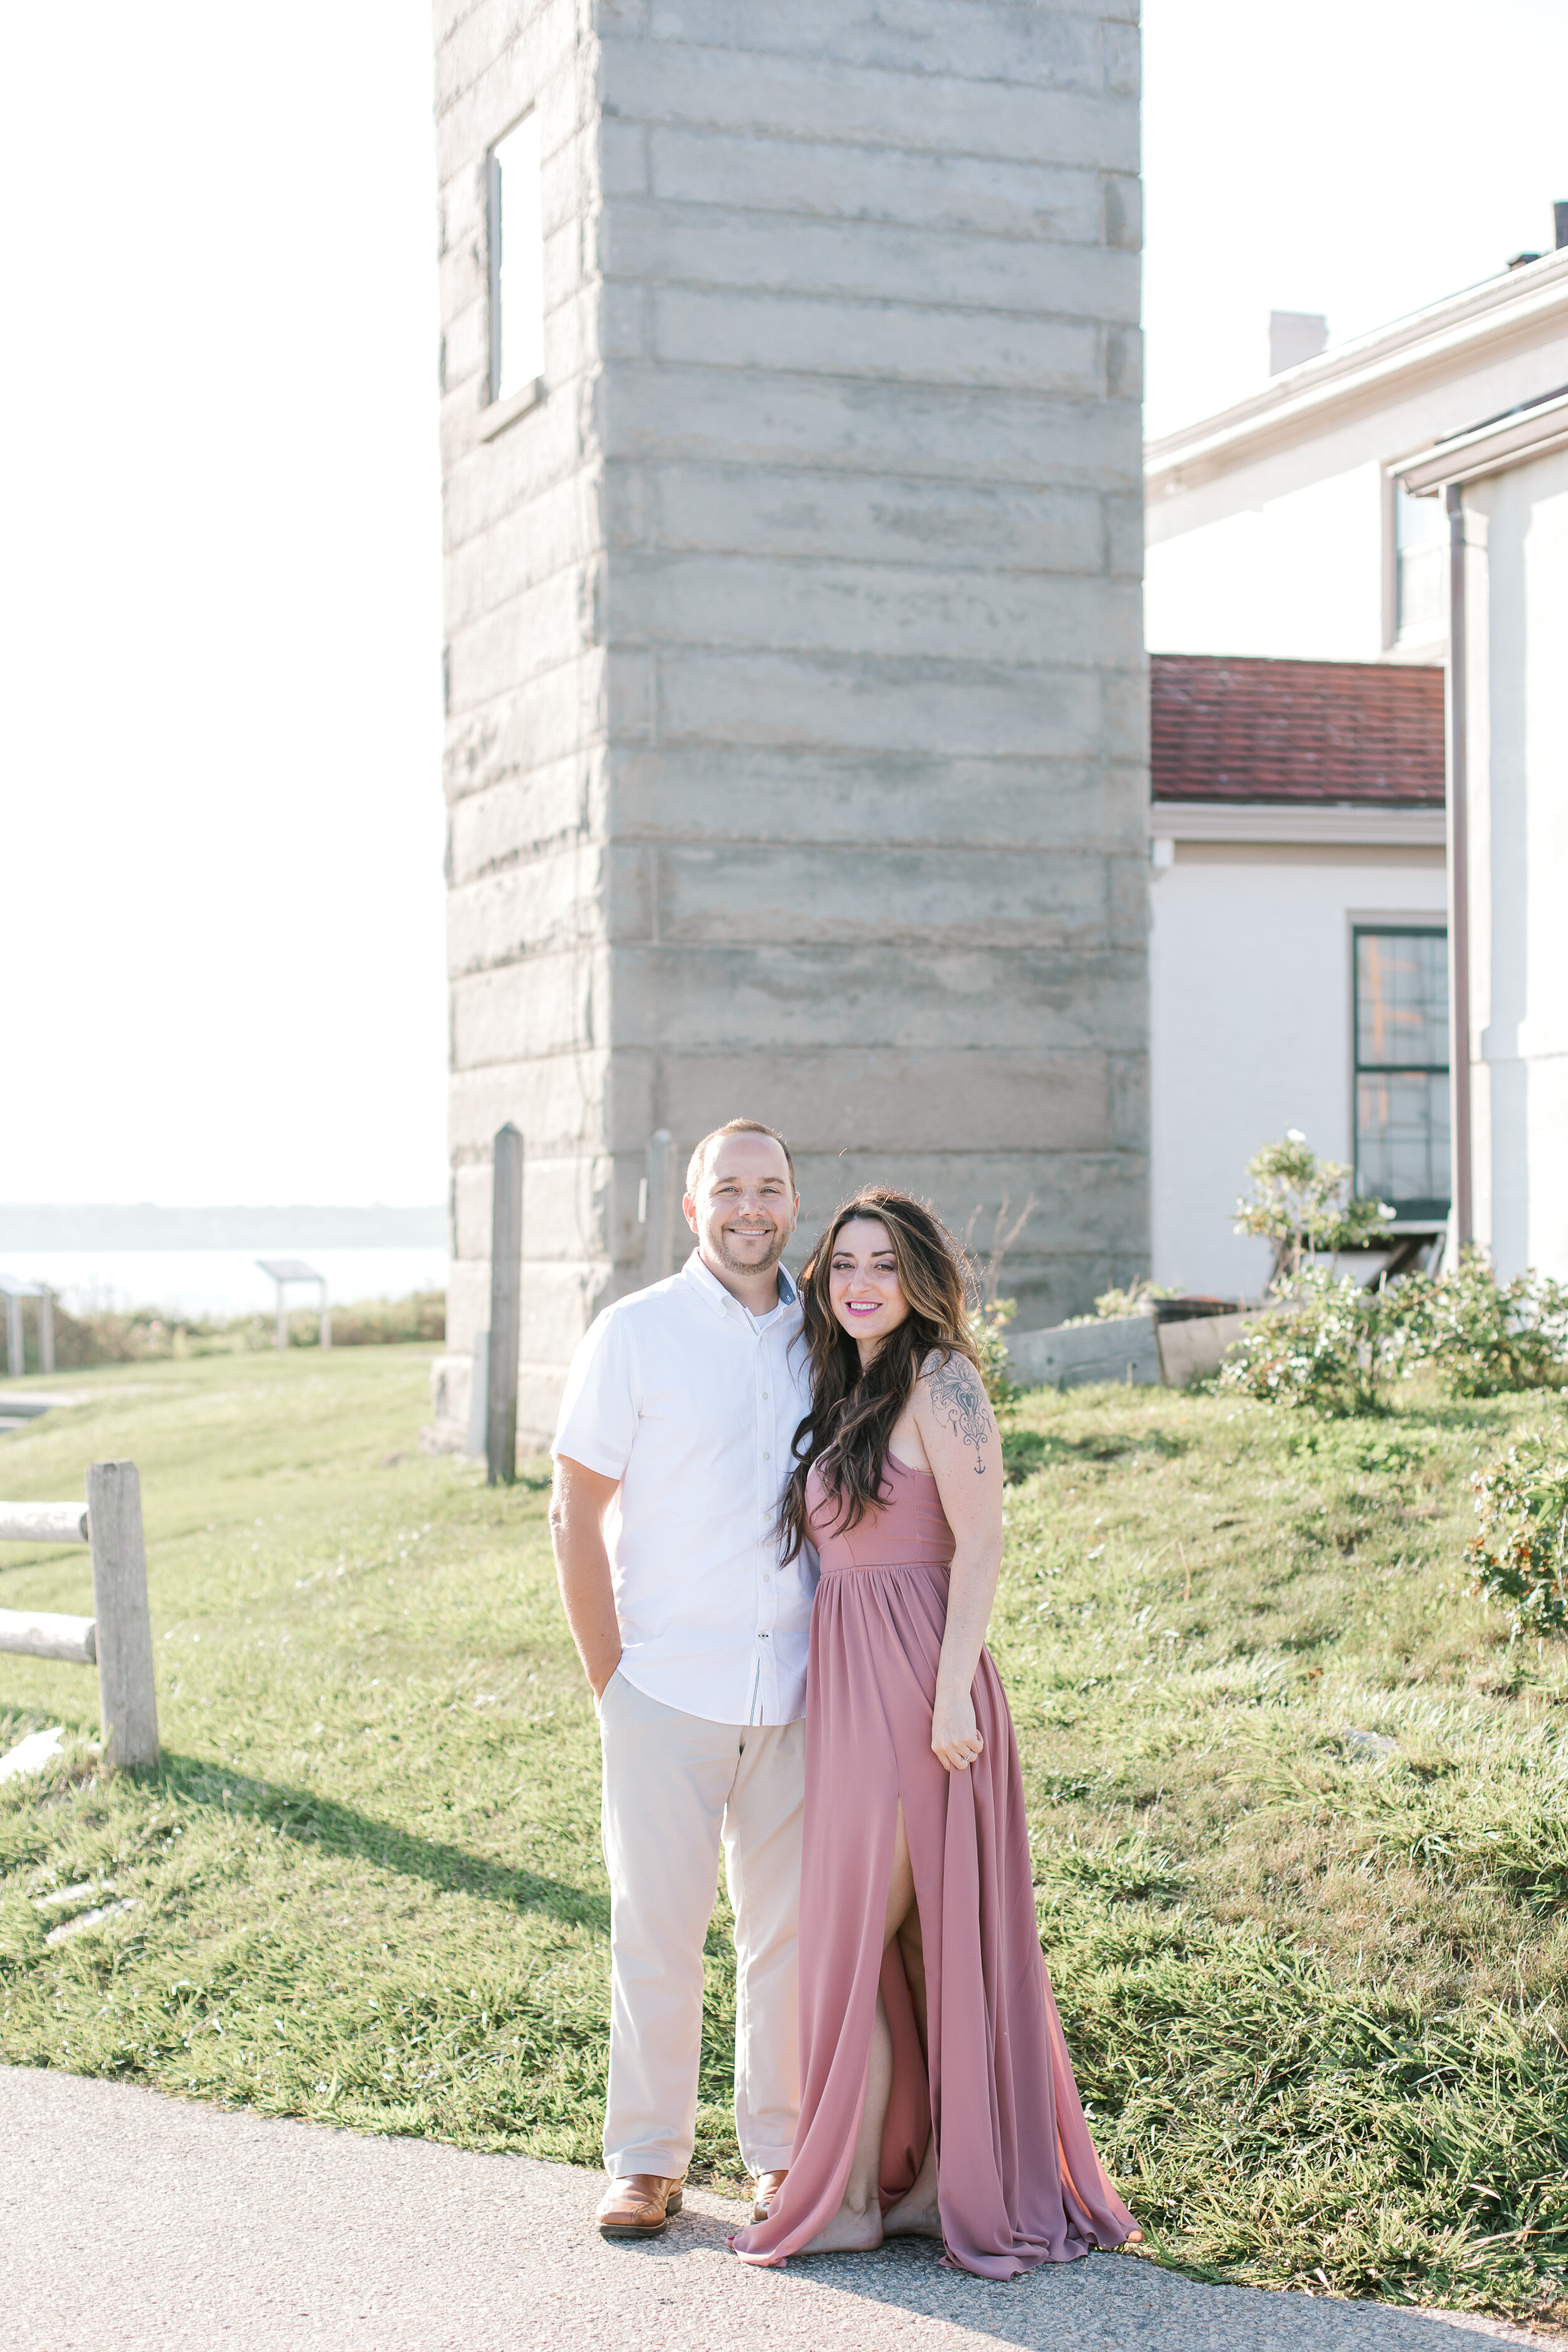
(958, 1429)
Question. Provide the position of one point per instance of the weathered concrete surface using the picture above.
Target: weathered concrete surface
(1123, 1348)
(796, 748)
(1133, 1349)
(140, 2220)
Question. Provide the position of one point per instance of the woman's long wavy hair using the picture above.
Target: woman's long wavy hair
(845, 1436)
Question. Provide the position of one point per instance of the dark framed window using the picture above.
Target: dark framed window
(1402, 1067)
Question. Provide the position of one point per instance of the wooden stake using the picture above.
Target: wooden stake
(124, 1632)
(506, 1306)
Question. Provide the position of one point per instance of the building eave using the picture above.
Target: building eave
(1491, 449)
(1307, 399)
(1308, 822)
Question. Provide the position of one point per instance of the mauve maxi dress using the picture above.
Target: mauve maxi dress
(1018, 2182)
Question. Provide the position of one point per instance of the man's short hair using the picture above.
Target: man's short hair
(696, 1167)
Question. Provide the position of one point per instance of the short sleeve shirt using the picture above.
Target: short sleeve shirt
(691, 1402)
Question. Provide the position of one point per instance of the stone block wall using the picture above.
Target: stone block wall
(796, 761)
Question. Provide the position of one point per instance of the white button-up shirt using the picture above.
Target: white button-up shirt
(691, 1402)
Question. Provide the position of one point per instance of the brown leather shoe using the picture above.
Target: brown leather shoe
(637, 2205)
(764, 2189)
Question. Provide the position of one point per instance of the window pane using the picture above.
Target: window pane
(1421, 546)
(1421, 589)
(517, 225)
(1402, 998)
(1402, 1142)
(1418, 523)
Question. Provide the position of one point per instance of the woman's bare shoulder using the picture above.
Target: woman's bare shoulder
(952, 1392)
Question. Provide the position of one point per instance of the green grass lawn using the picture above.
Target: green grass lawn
(1300, 1810)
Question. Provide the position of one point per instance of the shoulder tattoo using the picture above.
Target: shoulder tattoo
(959, 1398)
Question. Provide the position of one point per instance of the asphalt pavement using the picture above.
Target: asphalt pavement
(130, 2220)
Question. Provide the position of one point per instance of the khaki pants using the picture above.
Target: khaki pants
(676, 1787)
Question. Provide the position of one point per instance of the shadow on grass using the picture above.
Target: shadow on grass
(1025, 1451)
(337, 1829)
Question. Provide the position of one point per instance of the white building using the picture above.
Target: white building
(1299, 962)
(1297, 528)
(1505, 487)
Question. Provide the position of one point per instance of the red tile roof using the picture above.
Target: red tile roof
(1236, 728)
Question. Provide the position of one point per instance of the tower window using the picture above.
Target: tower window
(516, 238)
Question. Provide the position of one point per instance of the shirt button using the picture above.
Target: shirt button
(767, 1457)
(765, 1396)
(767, 1576)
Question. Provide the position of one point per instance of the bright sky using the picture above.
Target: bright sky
(221, 828)
(222, 831)
(1358, 158)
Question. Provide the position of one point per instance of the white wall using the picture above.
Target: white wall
(1519, 862)
(1251, 973)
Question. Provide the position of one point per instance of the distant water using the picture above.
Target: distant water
(145, 1226)
(219, 1282)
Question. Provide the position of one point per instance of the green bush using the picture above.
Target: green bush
(1519, 1554)
(1486, 1337)
(144, 1335)
(383, 1322)
(1330, 1345)
(139, 1337)
(1302, 1204)
(988, 1328)
(1138, 1298)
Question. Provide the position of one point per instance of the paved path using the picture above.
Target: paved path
(131, 2219)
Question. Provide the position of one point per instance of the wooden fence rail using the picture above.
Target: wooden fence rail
(118, 1638)
(40, 1634)
(44, 1523)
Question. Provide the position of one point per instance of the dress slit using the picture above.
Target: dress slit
(909, 2124)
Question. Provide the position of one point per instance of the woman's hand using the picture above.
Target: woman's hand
(955, 1738)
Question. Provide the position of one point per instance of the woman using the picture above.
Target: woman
(938, 2098)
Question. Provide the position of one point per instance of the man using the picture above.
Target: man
(672, 1453)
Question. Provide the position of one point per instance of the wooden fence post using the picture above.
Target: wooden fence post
(506, 1306)
(124, 1632)
(659, 1203)
(45, 1328)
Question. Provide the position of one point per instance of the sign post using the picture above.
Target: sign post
(506, 1307)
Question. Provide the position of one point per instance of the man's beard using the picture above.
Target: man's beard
(733, 1265)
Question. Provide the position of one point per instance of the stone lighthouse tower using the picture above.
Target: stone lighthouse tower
(796, 757)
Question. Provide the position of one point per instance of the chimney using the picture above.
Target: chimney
(1559, 226)
(1295, 336)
